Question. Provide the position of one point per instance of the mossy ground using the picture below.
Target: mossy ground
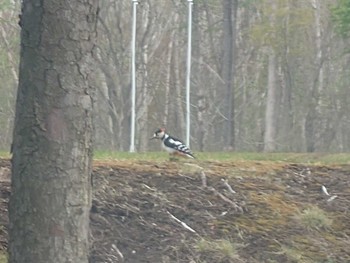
(161, 211)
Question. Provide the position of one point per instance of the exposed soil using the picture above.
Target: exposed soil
(213, 212)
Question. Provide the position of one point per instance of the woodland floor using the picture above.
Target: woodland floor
(214, 212)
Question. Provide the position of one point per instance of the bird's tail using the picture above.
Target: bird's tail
(190, 155)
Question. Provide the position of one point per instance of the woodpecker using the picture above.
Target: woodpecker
(171, 144)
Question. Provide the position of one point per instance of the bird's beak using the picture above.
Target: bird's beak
(153, 137)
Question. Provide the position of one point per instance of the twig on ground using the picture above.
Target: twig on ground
(204, 179)
(237, 207)
(324, 190)
(188, 177)
(181, 222)
(332, 198)
(307, 172)
(148, 187)
(228, 186)
(114, 247)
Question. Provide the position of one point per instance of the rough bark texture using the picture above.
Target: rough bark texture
(52, 147)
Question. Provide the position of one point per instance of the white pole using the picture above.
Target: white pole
(188, 75)
(133, 77)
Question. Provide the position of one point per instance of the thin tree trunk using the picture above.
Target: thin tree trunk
(318, 29)
(286, 119)
(311, 131)
(168, 80)
(179, 113)
(286, 79)
(52, 148)
(142, 111)
(144, 97)
(270, 115)
(229, 31)
(200, 89)
(116, 113)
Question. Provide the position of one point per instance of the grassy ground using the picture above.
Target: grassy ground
(3, 257)
(4, 154)
(306, 158)
(276, 211)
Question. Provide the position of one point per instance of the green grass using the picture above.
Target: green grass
(4, 154)
(3, 257)
(110, 155)
(312, 158)
(306, 158)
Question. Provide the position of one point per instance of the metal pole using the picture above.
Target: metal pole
(133, 76)
(188, 75)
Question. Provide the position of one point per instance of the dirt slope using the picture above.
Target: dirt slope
(214, 212)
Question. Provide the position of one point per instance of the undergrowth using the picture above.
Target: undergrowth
(221, 248)
(314, 218)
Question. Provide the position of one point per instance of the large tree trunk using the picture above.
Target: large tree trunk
(52, 148)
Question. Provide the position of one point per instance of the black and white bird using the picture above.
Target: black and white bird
(171, 144)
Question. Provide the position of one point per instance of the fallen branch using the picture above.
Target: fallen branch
(204, 179)
(115, 248)
(181, 222)
(228, 186)
(324, 190)
(237, 207)
(332, 198)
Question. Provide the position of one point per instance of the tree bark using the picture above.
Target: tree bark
(179, 109)
(200, 89)
(52, 148)
(311, 129)
(167, 83)
(270, 115)
(229, 30)
(271, 97)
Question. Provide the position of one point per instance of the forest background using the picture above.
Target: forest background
(267, 75)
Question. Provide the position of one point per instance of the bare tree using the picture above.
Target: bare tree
(114, 61)
(229, 34)
(230, 102)
(270, 114)
(52, 147)
(316, 84)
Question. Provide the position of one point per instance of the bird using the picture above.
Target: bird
(172, 145)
